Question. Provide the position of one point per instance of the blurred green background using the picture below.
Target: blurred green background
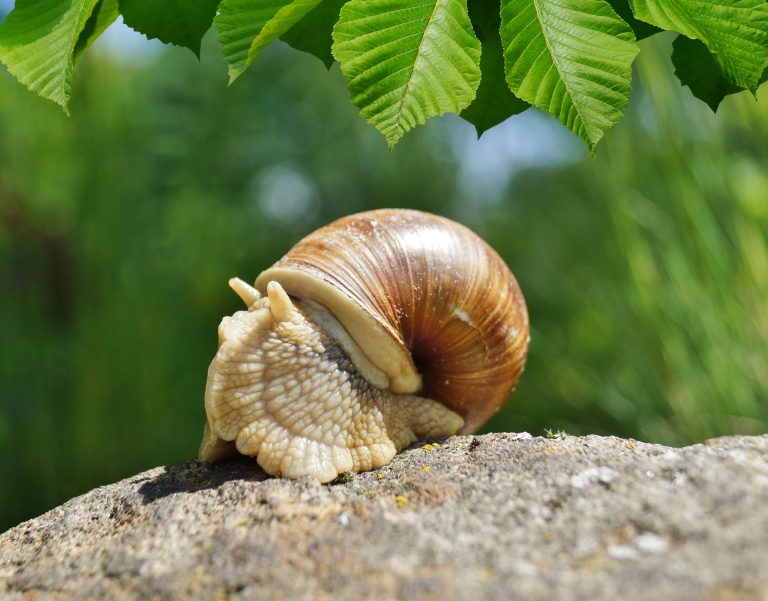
(645, 269)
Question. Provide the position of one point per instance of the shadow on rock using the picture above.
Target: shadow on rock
(193, 476)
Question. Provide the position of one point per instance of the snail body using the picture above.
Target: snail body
(376, 330)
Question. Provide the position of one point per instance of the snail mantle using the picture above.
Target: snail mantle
(500, 516)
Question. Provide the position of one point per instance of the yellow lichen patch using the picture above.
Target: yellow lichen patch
(597, 563)
(484, 574)
(430, 447)
(426, 469)
(401, 501)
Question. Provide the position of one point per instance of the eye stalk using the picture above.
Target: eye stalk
(379, 329)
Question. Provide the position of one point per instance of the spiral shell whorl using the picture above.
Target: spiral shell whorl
(434, 289)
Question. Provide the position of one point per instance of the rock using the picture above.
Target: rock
(499, 516)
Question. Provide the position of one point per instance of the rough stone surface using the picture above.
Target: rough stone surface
(500, 516)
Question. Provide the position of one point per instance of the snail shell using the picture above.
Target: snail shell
(375, 330)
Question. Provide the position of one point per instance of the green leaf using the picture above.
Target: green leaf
(103, 15)
(696, 68)
(734, 31)
(37, 42)
(494, 101)
(572, 58)
(179, 22)
(407, 61)
(641, 28)
(314, 32)
(247, 26)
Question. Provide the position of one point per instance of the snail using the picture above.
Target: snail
(377, 330)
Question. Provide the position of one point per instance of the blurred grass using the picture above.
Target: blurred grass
(645, 269)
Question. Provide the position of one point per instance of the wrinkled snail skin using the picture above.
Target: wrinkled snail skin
(372, 332)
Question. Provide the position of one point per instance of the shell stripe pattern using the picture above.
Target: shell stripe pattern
(442, 294)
